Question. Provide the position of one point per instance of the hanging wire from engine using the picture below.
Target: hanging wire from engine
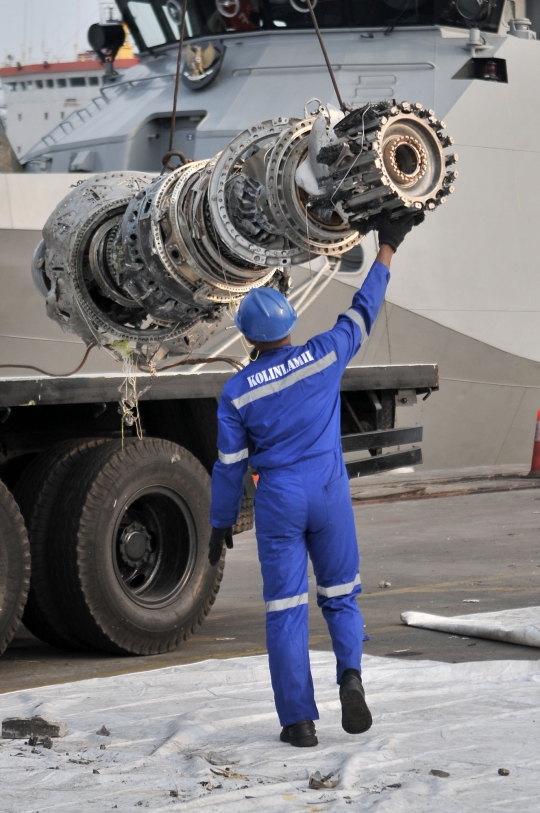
(53, 375)
(201, 360)
(129, 397)
(341, 103)
(251, 353)
(340, 184)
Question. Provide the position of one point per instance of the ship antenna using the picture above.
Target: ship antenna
(178, 66)
(325, 54)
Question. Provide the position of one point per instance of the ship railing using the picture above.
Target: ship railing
(78, 117)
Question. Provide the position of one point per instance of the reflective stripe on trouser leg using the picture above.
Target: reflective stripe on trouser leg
(334, 552)
(280, 521)
(346, 628)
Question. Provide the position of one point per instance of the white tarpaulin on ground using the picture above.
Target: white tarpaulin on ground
(514, 626)
(208, 732)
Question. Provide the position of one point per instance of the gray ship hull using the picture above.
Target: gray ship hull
(465, 287)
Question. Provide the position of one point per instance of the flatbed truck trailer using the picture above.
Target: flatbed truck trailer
(104, 531)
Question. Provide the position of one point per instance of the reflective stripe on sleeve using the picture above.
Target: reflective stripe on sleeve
(339, 589)
(355, 316)
(286, 603)
(288, 381)
(235, 457)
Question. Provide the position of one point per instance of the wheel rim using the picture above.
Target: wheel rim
(154, 546)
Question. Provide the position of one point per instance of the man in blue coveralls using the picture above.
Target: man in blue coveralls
(283, 412)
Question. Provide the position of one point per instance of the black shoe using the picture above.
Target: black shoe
(300, 734)
(355, 715)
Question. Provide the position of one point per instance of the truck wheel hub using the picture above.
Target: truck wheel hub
(135, 544)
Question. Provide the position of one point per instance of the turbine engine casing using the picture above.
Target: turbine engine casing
(154, 261)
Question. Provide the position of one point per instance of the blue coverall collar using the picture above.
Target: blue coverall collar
(278, 350)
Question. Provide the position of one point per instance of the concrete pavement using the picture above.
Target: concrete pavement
(435, 553)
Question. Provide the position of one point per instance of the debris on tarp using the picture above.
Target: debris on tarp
(172, 726)
(503, 772)
(385, 584)
(21, 728)
(228, 773)
(316, 781)
(521, 626)
(46, 742)
(103, 732)
(441, 774)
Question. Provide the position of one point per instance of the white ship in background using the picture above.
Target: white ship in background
(38, 97)
(465, 290)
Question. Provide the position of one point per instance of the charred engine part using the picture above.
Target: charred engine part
(82, 264)
(385, 156)
(154, 261)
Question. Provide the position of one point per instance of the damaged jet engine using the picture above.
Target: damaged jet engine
(154, 261)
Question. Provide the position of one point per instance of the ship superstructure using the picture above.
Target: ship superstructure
(38, 97)
(465, 289)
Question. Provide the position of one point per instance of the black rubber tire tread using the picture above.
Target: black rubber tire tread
(246, 517)
(245, 520)
(107, 618)
(14, 566)
(37, 493)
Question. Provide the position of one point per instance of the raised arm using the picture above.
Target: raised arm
(355, 325)
(384, 255)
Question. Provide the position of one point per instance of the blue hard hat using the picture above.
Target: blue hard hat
(265, 315)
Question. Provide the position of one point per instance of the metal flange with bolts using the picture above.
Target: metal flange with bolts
(155, 261)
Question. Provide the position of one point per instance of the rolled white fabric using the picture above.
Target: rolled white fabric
(521, 626)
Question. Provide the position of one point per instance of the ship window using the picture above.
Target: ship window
(490, 69)
(45, 116)
(39, 84)
(93, 80)
(30, 84)
(61, 83)
(11, 86)
(49, 83)
(147, 22)
(156, 22)
(173, 13)
(22, 85)
(77, 81)
(19, 116)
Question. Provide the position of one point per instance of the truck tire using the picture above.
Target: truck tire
(134, 536)
(37, 493)
(14, 567)
(246, 516)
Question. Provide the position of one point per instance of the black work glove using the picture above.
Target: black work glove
(217, 537)
(393, 232)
